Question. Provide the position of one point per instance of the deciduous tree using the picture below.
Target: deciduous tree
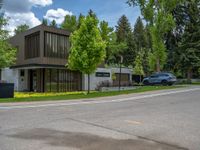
(21, 28)
(87, 48)
(158, 15)
(70, 23)
(7, 52)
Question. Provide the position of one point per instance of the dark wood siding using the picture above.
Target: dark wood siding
(56, 45)
(32, 45)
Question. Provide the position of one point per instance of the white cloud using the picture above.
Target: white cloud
(57, 15)
(21, 18)
(42, 3)
(19, 12)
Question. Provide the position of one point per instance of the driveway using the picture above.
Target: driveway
(159, 120)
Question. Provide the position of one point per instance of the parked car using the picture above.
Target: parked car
(160, 78)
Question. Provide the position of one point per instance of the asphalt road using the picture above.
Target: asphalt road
(159, 120)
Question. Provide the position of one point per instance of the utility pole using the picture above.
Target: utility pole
(120, 71)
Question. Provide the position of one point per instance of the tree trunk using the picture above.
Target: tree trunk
(158, 65)
(88, 83)
(189, 74)
(140, 79)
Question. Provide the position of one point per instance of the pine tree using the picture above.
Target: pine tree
(141, 42)
(189, 47)
(124, 35)
(45, 22)
(139, 34)
(123, 29)
(53, 24)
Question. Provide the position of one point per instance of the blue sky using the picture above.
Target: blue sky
(32, 12)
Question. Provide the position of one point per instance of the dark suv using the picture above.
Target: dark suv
(160, 78)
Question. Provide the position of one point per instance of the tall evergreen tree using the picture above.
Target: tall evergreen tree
(53, 24)
(141, 42)
(123, 29)
(124, 35)
(45, 22)
(189, 47)
(139, 34)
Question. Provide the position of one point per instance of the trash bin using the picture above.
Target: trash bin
(6, 90)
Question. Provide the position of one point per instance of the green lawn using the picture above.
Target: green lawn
(80, 95)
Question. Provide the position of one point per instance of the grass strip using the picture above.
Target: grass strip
(83, 95)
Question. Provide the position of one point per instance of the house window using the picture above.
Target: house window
(62, 80)
(22, 73)
(102, 74)
(32, 45)
(124, 77)
(56, 45)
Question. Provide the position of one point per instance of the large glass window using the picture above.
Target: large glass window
(56, 45)
(62, 80)
(32, 45)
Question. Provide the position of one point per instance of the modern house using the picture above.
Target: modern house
(41, 64)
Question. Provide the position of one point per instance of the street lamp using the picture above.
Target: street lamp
(120, 71)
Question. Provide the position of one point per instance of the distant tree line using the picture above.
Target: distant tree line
(165, 38)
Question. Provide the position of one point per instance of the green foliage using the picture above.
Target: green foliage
(70, 23)
(80, 18)
(123, 29)
(45, 22)
(53, 24)
(138, 69)
(107, 35)
(7, 52)
(114, 49)
(142, 42)
(158, 15)
(21, 28)
(189, 46)
(87, 47)
(124, 35)
(105, 31)
(140, 36)
(114, 76)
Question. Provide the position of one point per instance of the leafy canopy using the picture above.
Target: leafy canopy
(70, 23)
(158, 15)
(87, 47)
(21, 28)
(7, 52)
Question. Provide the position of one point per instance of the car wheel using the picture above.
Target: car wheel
(164, 83)
(146, 82)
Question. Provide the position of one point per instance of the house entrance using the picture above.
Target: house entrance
(33, 81)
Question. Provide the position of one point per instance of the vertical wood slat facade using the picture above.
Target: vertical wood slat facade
(43, 51)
